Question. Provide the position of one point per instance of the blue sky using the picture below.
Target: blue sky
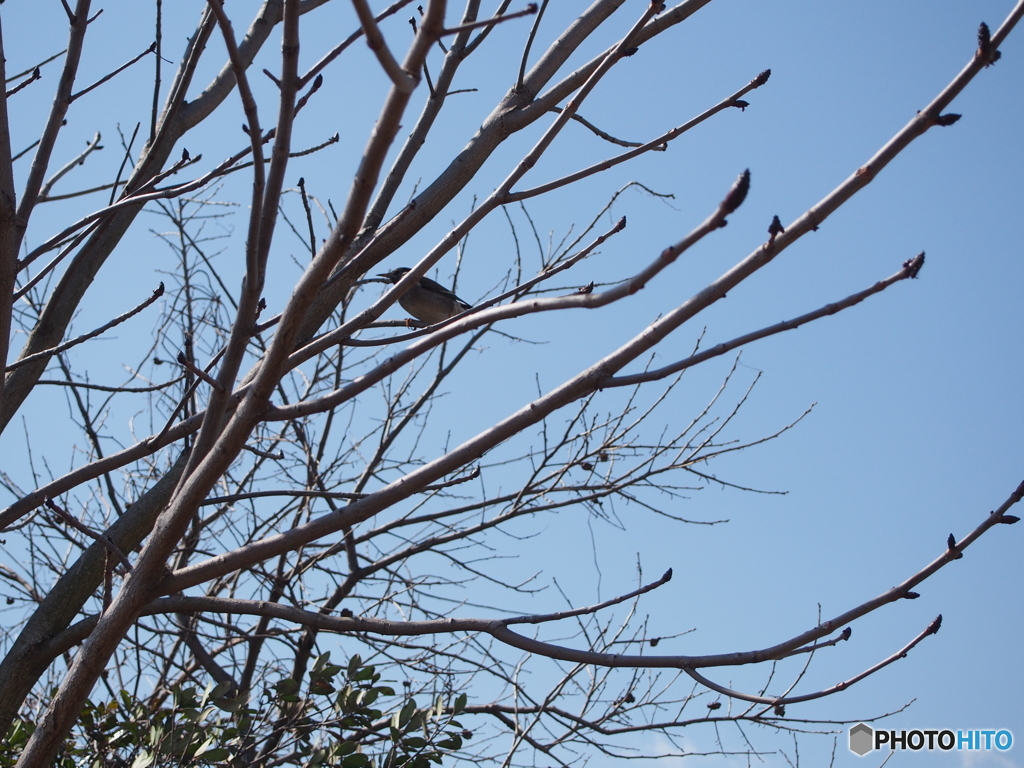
(917, 429)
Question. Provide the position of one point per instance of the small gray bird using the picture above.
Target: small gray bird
(427, 301)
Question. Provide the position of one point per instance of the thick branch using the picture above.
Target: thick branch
(402, 80)
(579, 386)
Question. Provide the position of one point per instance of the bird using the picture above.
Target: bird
(427, 301)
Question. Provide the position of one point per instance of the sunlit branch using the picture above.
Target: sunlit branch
(337, 51)
(910, 269)
(604, 134)
(401, 79)
(655, 144)
(778, 701)
(928, 117)
(529, 43)
(417, 137)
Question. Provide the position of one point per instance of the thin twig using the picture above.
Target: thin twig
(35, 76)
(92, 334)
(83, 192)
(159, 35)
(528, 11)
(124, 160)
(656, 144)
(135, 199)
(910, 269)
(105, 541)
(26, 150)
(108, 388)
(75, 242)
(529, 44)
(30, 70)
(604, 134)
(194, 369)
(309, 216)
(543, 618)
(778, 701)
(119, 70)
(90, 147)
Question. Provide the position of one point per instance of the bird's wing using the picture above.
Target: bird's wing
(430, 285)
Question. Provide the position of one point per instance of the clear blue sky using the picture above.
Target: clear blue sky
(918, 428)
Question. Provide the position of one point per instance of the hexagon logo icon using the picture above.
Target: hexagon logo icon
(861, 738)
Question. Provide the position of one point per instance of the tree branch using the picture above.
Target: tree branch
(47, 353)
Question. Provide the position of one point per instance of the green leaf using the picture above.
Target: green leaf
(358, 760)
(320, 687)
(287, 687)
(156, 734)
(185, 698)
(221, 690)
(363, 674)
(144, 759)
(353, 664)
(460, 703)
(406, 712)
(206, 745)
(230, 705)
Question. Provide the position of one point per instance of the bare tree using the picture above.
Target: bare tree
(297, 483)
